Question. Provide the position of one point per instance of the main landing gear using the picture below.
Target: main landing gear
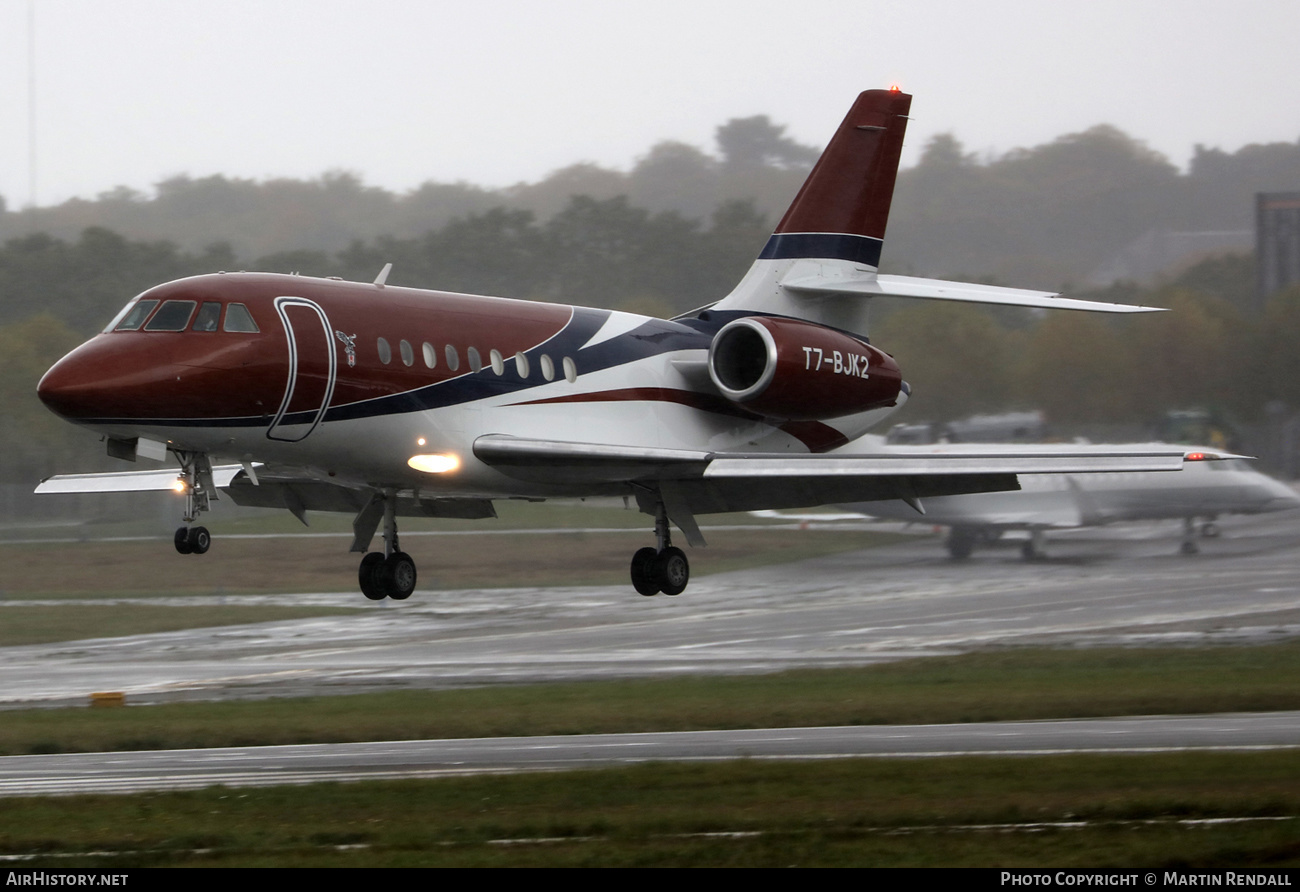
(1188, 545)
(961, 542)
(391, 574)
(192, 540)
(196, 475)
(662, 569)
(1033, 549)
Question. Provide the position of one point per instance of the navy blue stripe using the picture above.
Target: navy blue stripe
(654, 337)
(822, 246)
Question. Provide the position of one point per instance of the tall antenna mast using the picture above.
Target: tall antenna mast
(31, 107)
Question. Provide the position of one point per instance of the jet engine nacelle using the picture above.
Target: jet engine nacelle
(800, 371)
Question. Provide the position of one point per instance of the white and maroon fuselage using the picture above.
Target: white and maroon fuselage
(352, 380)
(381, 400)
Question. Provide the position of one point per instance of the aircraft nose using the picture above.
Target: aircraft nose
(1284, 496)
(141, 377)
(107, 378)
(68, 389)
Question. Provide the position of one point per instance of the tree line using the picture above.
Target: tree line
(1042, 217)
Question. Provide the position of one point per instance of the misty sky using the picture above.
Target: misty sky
(131, 92)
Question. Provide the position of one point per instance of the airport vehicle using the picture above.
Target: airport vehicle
(385, 401)
(1204, 490)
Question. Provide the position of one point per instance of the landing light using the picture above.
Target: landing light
(179, 485)
(434, 464)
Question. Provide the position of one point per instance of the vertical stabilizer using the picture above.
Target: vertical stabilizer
(841, 211)
(836, 225)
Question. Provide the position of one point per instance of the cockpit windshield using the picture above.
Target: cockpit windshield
(132, 316)
(175, 315)
(239, 319)
(208, 316)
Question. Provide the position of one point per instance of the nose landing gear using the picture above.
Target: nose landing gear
(196, 476)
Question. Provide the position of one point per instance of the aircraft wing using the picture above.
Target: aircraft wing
(715, 482)
(289, 488)
(157, 480)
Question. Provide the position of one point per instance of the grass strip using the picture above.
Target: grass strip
(1065, 811)
(1003, 685)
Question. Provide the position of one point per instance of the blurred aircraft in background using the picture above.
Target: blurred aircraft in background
(1204, 490)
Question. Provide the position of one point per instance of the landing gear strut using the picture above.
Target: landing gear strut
(196, 475)
(391, 574)
(1188, 545)
(1033, 549)
(662, 569)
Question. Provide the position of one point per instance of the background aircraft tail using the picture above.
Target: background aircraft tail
(821, 263)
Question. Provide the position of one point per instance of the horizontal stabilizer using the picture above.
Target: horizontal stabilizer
(871, 285)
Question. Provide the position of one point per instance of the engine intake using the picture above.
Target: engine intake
(791, 370)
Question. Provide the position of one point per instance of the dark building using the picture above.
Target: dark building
(1277, 242)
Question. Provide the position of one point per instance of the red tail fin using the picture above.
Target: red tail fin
(841, 211)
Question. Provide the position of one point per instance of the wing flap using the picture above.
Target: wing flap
(570, 462)
(945, 463)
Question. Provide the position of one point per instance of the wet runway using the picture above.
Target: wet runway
(1114, 585)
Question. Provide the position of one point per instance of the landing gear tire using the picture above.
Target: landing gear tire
(368, 576)
(1029, 552)
(961, 542)
(643, 571)
(182, 540)
(200, 540)
(1188, 547)
(398, 576)
(672, 571)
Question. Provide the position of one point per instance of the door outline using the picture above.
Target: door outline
(291, 384)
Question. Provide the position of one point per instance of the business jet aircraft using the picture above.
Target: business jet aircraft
(1204, 489)
(384, 401)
